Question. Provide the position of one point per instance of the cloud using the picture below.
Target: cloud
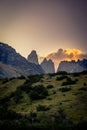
(68, 54)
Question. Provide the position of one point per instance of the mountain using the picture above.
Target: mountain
(83, 63)
(72, 66)
(48, 66)
(9, 56)
(65, 55)
(33, 58)
(7, 71)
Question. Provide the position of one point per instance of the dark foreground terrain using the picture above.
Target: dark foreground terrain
(44, 102)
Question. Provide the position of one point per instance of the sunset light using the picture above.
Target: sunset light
(73, 51)
(43, 64)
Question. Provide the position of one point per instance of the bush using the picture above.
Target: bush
(76, 74)
(38, 92)
(83, 89)
(61, 77)
(82, 125)
(54, 91)
(26, 87)
(69, 81)
(42, 108)
(84, 72)
(65, 89)
(85, 84)
(8, 114)
(5, 80)
(62, 72)
(35, 78)
(49, 86)
(17, 95)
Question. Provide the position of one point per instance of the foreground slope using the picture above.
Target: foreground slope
(48, 100)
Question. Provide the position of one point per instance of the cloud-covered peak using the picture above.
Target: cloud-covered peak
(68, 55)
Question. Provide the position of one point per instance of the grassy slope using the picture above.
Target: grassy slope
(73, 102)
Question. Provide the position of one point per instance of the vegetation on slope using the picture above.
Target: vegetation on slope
(53, 101)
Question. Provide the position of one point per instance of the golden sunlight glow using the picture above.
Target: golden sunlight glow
(67, 55)
(73, 51)
(73, 54)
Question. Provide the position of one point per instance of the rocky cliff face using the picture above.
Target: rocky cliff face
(72, 66)
(9, 56)
(48, 66)
(7, 71)
(33, 58)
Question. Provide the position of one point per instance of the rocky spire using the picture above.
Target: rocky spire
(48, 66)
(33, 58)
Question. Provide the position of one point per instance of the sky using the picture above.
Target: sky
(43, 25)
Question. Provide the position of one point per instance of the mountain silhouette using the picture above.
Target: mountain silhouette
(9, 56)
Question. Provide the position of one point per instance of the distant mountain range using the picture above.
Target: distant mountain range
(47, 65)
(12, 64)
(72, 66)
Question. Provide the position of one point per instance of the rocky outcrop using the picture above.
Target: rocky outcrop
(72, 66)
(48, 66)
(9, 56)
(33, 58)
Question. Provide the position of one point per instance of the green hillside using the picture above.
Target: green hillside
(53, 101)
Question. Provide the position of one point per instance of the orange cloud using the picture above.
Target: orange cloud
(68, 54)
(73, 54)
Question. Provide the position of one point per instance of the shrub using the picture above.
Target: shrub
(54, 91)
(65, 89)
(69, 81)
(38, 92)
(35, 78)
(76, 80)
(83, 89)
(82, 125)
(49, 98)
(49, 86)
(26, 87)
(85, 84)
(61, 77)
(5, 80)
(84, 72)
(76, 74)
(62, 72)
(17, 95)
(42, 108)
(8, 114)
